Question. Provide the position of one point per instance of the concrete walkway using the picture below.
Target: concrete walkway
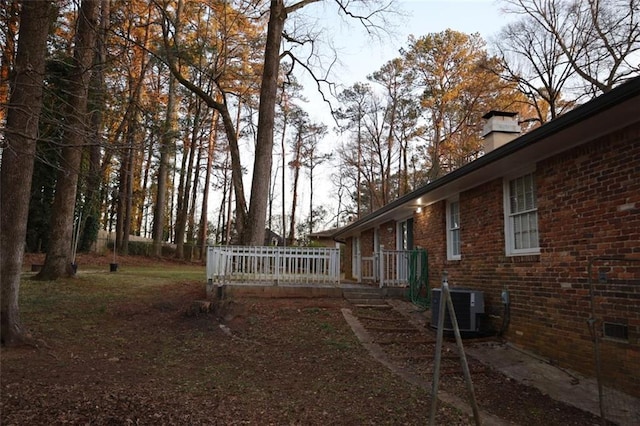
(560, 384)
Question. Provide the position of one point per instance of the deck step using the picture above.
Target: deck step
(369, 292)
(366, 297)
(362, 290)
(384, 329)
(363, 295)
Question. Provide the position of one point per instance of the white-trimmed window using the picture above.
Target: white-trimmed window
(521, 216)
(453, 230)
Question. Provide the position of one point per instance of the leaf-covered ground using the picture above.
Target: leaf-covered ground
(129, 348)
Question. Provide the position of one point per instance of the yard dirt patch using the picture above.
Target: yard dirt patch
(128, 348)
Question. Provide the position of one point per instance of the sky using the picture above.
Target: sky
(421, 17)
(360, 56)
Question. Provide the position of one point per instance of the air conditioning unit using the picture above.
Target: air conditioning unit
(468, 304)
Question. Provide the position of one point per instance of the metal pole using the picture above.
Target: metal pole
(438, 352)
(463, 357)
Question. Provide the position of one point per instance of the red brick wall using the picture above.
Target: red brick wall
(428, 233)
(588, 205)
(591, 205)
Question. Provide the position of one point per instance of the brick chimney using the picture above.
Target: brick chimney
(501, 127)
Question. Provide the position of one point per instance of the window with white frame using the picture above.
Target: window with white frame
(453, 230)
(521, 216)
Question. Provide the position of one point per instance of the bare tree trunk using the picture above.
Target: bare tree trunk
(141, 209)
(128, 205)
(8, 59)
(390, 142)
(118, 209)
(191, 223)
(125, 186)
(16, 172)
(272, 190)
(181, 210)
(202, 231)
(184, 188)
(255, 230)
(311, 199)
(91, 210)
(312, 160)
(172, 202)
(434, 151)
(58, 259)
(294, 201)
(284, 168)
(221, 223)
(296, 164)
(166, 140)
(405, 169)
(231, 192)
(120, 206)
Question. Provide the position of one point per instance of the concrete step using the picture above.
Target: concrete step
(380, 306)
(370, 296)
(366, 301)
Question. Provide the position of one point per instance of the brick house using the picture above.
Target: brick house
(534, 217)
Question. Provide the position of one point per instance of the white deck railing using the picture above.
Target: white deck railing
(388, 268)
(273, 265)
(394, 268)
